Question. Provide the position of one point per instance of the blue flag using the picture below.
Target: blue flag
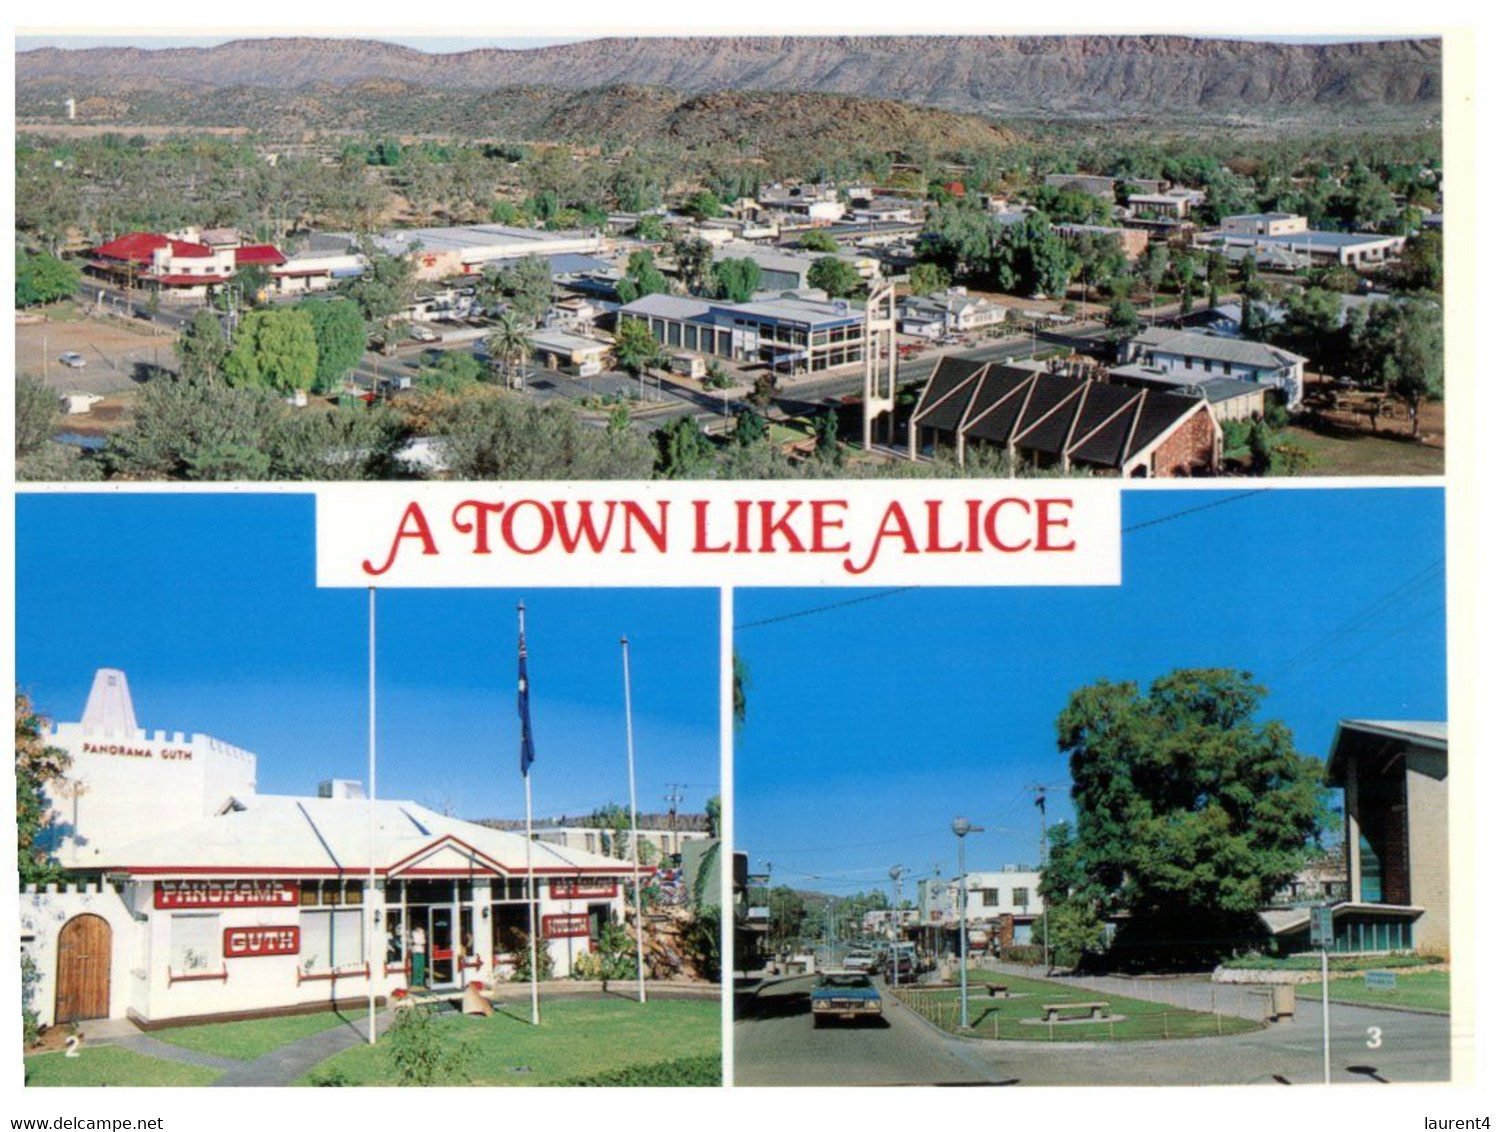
(524, 709)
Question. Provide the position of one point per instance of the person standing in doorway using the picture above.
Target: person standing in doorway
(419, 956)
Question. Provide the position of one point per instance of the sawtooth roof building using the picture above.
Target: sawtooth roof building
(1053, 420)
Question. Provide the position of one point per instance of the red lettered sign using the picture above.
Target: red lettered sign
(240, 943)
(568, 926)
(226, 894)
(581, 888)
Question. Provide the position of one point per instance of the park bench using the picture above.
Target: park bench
(1051, 1010)
(997, 990)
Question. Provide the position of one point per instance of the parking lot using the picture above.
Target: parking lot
(116, 353)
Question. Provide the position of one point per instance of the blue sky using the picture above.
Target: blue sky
(208, 603)
(872, 725)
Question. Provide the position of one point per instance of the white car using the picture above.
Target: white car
(72, 360)
(422, 334)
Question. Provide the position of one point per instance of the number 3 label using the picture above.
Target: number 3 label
(1373, 1038)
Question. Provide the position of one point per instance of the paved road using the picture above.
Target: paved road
(775, 1044)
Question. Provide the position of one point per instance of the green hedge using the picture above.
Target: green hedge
(704, 1070)
(1336, 962)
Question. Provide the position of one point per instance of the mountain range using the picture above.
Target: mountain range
(1158, 77)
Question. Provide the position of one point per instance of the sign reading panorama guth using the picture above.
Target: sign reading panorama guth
(785, 533)
(226, 894)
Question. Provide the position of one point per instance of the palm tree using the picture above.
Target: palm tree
(507, 346)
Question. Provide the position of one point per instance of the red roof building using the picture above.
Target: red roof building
(183, 266)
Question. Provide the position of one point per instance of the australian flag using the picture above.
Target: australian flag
(524, 708)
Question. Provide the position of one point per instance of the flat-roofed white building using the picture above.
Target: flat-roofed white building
(440, 253)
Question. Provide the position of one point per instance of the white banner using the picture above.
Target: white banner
(777, 533)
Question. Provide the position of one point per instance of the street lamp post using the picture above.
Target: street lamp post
(895, 873)
(962, 828)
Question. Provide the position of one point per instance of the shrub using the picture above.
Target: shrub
(704, 1071)
(417, 1052)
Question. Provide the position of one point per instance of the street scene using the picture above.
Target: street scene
(661, 267)
(1144, 862)
(327, 837)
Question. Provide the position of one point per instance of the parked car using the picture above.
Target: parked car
(423, 334)
(845, 997)
(72, 360)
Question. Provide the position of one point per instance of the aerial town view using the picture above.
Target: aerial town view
(761, 257)
(1185, 850)
(271, 835)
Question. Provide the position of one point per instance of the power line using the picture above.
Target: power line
(877, 596)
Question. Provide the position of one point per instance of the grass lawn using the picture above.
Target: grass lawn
(1427, 990)
(252, 1038)
(1002, 1018)
(578, 1038)
(111, 1065)
(1367, 455)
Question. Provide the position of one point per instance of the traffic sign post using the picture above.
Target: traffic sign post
(1321, 935)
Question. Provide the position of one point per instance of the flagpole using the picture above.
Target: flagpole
(630, 762)
(524, 700)
(370, 911)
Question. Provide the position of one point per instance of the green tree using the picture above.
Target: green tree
(683, 451)
(712, 811)
(650, 228)
(736, 279)
(339, 331)
(816, 241)
(635, 346)
(486, 435)
(835, 276)
(43, 278)
(36, 415)
(507, 346)
(192, 428)
(201, 348)
(787, 911)
(642, 277)
(351, 442)
(702, 205)
(527, 287)
(695, 262)
(37, 766)
(615, 821)
(451, 371)
(1122, 316)
(1401, 346)
(929, 279)
(750, 429)
(276, 349)
(1420, 267)
(384, 288)
(1217, 276)
(1191, 811)
(826, 438)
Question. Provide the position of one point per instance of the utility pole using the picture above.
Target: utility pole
(674, 799)
(896, 872)
(1042, 863)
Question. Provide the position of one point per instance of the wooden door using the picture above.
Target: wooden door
(83, 953)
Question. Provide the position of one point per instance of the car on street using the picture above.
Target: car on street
(72, 360)
(845, 996)
(861, 960)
